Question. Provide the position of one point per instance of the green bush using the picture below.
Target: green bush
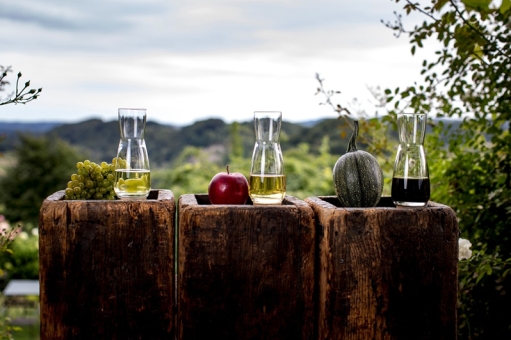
(470, 164)
(23, 261)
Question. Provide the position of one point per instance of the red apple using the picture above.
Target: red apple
(228, 188)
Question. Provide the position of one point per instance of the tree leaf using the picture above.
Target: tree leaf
(477, 4)
(505, 6)
(440, 3)
(478, 50)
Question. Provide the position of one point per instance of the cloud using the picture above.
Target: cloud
(177, 26)
(61, 16)
(190, 60)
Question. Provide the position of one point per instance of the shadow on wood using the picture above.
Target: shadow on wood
(245, 271)
(107, 268)
(386, 272)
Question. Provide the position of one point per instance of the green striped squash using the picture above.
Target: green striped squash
(358, 178)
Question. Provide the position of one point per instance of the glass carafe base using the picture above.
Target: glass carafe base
(410, 192)
(410, 204)
(267, 199)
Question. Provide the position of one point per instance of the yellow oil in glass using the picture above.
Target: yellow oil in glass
(267, 189)
(132, 183)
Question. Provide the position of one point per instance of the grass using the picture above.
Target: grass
(24, 318)
(28, 332)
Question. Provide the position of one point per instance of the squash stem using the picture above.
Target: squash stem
(352, 145)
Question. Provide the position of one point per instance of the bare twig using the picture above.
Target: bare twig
(22, 96)
(328, 101)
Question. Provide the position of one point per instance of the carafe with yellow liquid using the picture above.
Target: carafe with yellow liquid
(267, 183)
(132, 173)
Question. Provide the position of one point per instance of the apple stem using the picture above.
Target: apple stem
(227, 169)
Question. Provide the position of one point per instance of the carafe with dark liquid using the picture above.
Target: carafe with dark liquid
(267, 182)
(410, 181)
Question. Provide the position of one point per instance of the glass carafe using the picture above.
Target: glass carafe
(132, 172)
(410, 181)
(267, 183)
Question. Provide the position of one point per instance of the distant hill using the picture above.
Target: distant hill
(34, 127)
(98, 140)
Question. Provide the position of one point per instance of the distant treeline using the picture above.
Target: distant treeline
(98, 140)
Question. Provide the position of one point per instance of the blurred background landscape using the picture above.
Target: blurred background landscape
(202, 67)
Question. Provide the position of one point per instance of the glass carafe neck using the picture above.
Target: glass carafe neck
(132, 123)
(267, 126)
(411, 128)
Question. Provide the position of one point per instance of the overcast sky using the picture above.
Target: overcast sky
(189, 60)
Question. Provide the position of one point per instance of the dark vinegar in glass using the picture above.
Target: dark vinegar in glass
(413, 190)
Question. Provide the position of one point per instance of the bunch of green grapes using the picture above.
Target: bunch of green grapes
(92, 181)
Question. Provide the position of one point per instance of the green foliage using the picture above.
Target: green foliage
(20, 96)
(6, 329)
(307, 174)
(43, 167)
(236, 141)
(484, 278)
(470, 78)
(98, 140)
(470, 165)
(191, 173)
(23, 261)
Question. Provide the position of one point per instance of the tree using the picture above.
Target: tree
(469, 79)
(43, 167)
(22, 96)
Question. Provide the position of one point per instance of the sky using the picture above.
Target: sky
(186, 61)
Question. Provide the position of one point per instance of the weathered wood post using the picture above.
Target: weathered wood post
(106, 268)
(386, 272)
(245, 271)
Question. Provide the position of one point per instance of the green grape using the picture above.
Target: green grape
(92, 181)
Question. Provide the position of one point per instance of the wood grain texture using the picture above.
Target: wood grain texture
(245, 272)
(386, 272)
(106, 268)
